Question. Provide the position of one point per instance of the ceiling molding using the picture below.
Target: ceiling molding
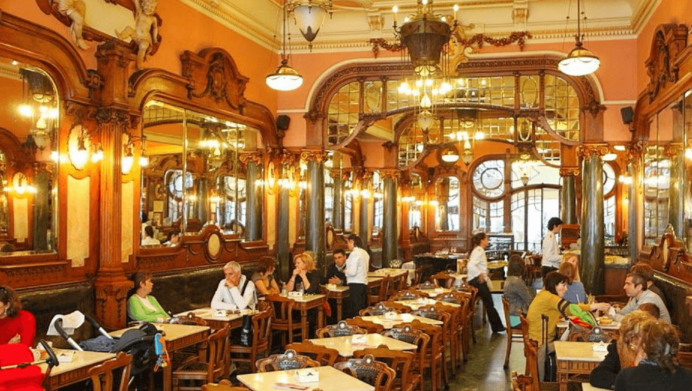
(643, 14)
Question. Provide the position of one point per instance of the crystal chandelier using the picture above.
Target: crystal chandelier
(285, 78)
(580, 61)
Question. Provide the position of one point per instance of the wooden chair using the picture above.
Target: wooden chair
(460, 314)
(416, 337)
(341, 329)
(406, 295)
(443, 279)
(400, 308)
(417, 276)
(399, 361)
(281, 362)
(511, 332)
(223, 385)
(381, 293)
(283, 318)
(261, 339)
(367, 370)
(322, 354)
(434, 354)
(472, 307)
(204, 369)
(379, 309)
(370, 327)
(684, 359)
(102, 375)
(452, 330)
(425, 286)
(531, 354)
(397, 283)
(431, 312)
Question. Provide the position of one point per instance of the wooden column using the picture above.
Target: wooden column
(254, 197)
(364, 204)
(592, 265)
(390, 248)
(315, 230)
(113, 119)
(568, 202)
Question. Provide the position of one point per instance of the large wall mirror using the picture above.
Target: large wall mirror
(202, 171)
(656, 176)
(29, 129)
(448, 204)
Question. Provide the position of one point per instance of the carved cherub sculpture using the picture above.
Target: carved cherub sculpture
(145, 31)
(76, 11)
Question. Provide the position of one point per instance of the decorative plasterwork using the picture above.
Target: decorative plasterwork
(569, 171)
(586, 151)
(662, 68)
(213, 74)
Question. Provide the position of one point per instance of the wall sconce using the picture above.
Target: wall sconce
(78, 146)
(524, 178)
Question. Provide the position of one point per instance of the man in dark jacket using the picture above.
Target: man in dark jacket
(335, 275)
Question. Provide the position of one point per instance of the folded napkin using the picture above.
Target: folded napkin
(69, 323)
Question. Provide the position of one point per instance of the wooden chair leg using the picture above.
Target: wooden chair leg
(509, 346)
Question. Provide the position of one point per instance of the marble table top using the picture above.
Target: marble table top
(81, 360)
(578, 351)
(346, 347)
(400, 318)
(331, 379)
(172, 331)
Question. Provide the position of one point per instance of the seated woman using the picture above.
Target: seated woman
(149, 237)
(142, 306)
(575, 289)
(620, 353)
(547, 303)
(655, 365)
(173, 238)
(304, 275)
(264, 280)
(516, 292)
(16, 325)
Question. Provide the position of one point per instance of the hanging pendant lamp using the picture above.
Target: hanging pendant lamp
(285, 78)
(580, 61)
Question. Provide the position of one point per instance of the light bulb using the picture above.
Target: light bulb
(143, 160)
(26, 110)
(127, 163)
(479, 135)
(425, 102)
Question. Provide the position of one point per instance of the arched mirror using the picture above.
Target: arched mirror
(203, 170)
(29, 127)
(447, 203)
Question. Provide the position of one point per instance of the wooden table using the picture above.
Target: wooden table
(613, 326)
(338, 293)
(218, 322)
(416, 304)
(346, 347)
(177, 337)
(393, 273)
(303, 304)
(575, 359)
(401, 318)
(331, 379)
(73, 372)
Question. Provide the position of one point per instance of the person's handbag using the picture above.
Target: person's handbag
(550, 363)
(582, 322)
(246, 328)
(327, 308)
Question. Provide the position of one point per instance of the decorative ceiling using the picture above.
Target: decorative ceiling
(354, 22)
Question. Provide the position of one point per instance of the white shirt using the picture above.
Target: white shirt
(357, 265)
(147, 241)
(550, 251)
(477, 265)
(226, 298)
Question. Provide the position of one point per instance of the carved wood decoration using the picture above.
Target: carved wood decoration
(222, 81)
(662, 67)
(70, 12)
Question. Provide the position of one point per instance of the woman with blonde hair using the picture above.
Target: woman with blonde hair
(305, 276)
(575, 289)
(621, 353)
(655, 364)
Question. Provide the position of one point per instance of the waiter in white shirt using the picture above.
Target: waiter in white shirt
(356, 272)
(550, 250)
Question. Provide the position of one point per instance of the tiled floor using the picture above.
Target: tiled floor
(484, 371)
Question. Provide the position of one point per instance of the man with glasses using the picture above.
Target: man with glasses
(235, 292)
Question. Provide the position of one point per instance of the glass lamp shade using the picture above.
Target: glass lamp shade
(80, 157)
(285, 78)
(128, 161)
(425, 120)
(41, 140)
(467, 157)
(524, 179)
(309, 19)
(450, 157)
(579, 62)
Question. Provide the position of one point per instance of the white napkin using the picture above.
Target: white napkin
(612, 312)
(69, 323)
(600, 347)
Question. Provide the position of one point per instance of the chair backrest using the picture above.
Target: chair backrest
(282, 362)
(410, 335)
(400, 308)
(370, 371)
(406, 295)
(219, 346)
(382, 289)
(285, 305)
(505, 307)
(429, 312)
(102, 375)
(261, 324)
(192, 320)
(398, 360)
(685, 359)
(370, 327)
(397, 283)
(322, 354)
(425, 286)
(224, 385)
(530, 352)
(376, 310)
(417, 276)
(341, 329)
(442, 279)
(435, 333)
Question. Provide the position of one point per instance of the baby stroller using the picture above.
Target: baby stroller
(19, 370)
(138, 342)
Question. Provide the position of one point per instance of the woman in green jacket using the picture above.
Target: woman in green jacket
(142, 306)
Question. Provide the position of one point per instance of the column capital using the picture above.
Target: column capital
(390, 173)
(115, 116)
(588, 150)
(318, 156)
(673, 150)
(569, 171)
(314, 116)
(252, 157)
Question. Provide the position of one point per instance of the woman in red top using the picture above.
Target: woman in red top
(16, 325)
